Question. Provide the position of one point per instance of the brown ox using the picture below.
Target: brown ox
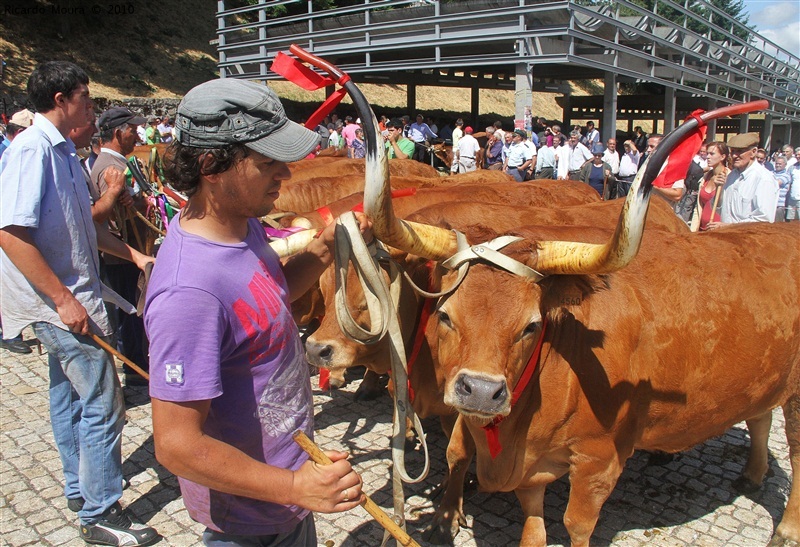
(624, 362)
(624, 365)
(312, 193)
(479, 186)
(341, 167)
(329, 348)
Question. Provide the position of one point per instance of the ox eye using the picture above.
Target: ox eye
(445, 319)
(532, 327)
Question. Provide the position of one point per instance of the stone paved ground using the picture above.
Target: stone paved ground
(688, 502)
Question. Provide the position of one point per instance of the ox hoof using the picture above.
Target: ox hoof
(745, 486)
(444, 530)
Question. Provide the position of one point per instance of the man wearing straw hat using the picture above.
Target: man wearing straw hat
(228, 378)
(750, 191)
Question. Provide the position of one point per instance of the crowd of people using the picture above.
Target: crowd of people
(230, 383)
(545, 152)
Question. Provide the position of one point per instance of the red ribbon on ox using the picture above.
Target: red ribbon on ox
(491, 429)
(298, 73)
(678, 162)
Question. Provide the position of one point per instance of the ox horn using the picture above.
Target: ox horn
(421, 239)
(563, 257)
(288, 246)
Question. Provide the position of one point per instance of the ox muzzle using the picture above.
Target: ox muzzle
(480, 395)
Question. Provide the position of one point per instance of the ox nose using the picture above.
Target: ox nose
(481, 394)
(319, 355)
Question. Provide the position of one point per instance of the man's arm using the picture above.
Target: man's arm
(183, 448)
(116, 192)
(17, 243)
(672, 194)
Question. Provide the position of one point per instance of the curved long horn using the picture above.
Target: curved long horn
(293, 244)
(421, 239)
(562, 257)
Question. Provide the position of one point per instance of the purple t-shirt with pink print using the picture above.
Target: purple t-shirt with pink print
(221, 329)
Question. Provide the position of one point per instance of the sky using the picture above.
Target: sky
(778, 21)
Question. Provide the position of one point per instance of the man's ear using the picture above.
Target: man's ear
(59, 99)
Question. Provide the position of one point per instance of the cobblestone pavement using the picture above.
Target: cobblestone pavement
(686, 502)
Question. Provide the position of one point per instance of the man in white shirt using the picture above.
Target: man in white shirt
(571, 157)
(750, 193)
(467, 152)
(165, 129)
(700, 157)
(611, 157)
(628, 165)
(458, 132)
(791, 155)
(592, 135)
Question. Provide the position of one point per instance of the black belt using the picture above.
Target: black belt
(626, 177)
(466, 157)
(575, 171)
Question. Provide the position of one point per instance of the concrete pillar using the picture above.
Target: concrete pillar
(523, 90)
(608, 126)
(476, 104)
(711, 131)
(766, 138)
(744, 123)
(221, 37)
(669, 109)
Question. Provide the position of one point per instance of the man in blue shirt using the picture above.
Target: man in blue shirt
(420, 132)
(50, 279)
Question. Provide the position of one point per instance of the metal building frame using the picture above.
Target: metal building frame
(528, 45)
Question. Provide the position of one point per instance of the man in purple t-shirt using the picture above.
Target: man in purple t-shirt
(228, 380)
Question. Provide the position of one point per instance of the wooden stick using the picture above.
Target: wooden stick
(102, 343)
(318, 456)
(716, 201)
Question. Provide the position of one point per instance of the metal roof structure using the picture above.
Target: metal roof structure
(690, 48)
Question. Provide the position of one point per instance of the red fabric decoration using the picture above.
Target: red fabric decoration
(678, 162)
(298, 73)
(324, 379)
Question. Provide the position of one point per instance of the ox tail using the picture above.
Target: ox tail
(561, 257)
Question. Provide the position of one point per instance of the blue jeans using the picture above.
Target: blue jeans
(87, 413)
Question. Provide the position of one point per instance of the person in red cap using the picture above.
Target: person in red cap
(466, 153)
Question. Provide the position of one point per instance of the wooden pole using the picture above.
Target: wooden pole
(102, 343)
(318, 456)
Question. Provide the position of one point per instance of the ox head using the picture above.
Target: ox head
(329, 347)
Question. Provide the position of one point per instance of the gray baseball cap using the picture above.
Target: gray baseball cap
(228, 111)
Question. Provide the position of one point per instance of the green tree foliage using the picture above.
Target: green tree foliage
(733, 10)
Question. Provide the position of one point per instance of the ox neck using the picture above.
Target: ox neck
(492, 429)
